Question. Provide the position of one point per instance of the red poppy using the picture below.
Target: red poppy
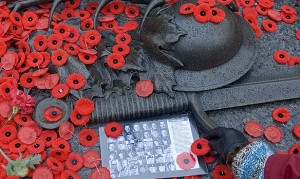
(295, 149)
(48, 136)
(29, 19)
(59, 57)
(71, 48)
(131, 25)
(74, 161)
(106, 11)
(83, 44)
(54, 41)
(92, 37)
(92, 7)
(87, 58)
(222, 172)
(84, 106)
(113, 129)
(46, 81)
(40, 72)
(251, 11)
(46, 62)
(281, 115)
(8, 133)
(91, 159)
(187, 8)
(200, 147)
(123, 38)
(120, 29)
(9, 80)
(59, 154)
(15, 30)
(281, 56)
(186, 161)
(82, 14)
(121, 49)
(247, 3)
(101, 172)
(5, 89)
(110, 24)
(66, 130)
(22, 119)
(27, 135)
(39, 42)
(210, 3)
(273, 134)
(265, 3)
(60, 91)
(9, 60)
(144, 88)
(75, 81)
(253, 128)
(87, 24)
(42, 172)
(16, 18)
(132, 11)
(67, 13)
(24, 47)
(269, 25)
(53, 114)
(202, 13)
(88, 51)
(274, 14)
(11, 73)
(251, 19)
(294, 61)
(21, 59)
(72, 4)
(88, 137)
(296, 131)
(16, 146)
(60, 143)
(208, 158)
(115, 61)
(116, 7)
(78, 119)
(73, 36)
(32, 124)
(218, 15)
(261, 10)
(27, 80)
(287, 9)
(63, 29)
(55, 165)
(224, 2)
(69, 174)
(288, 18)
(37, 147)
(3, 48)
(107, 18)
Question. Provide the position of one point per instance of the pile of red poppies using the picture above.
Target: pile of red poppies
(283, 57)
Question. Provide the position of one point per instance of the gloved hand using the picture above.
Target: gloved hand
(224, 140)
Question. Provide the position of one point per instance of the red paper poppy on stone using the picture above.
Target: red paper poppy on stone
(84, 106)
(266, 3)
(83, 44)
(88, 137)
(187, 8)
(269, 25)
(48, 136)
(60, 143)
(87, 24)
(71, 48)
(34, 59)
(202, 13)
(22, 119)
(110, 24)
(224, 2)
(218, 15)
(92, 7)
(46, 62)
(59, 57)
(55, 165)
(23, 47)
(296, 130)
(294, 61)
(74, 161)
(251, 11)
(66, 130)
(40, 42)
(29, 19)
(63, 29)
(247, 3)
(87, 58)
(274, 14)
(60, 91)
(144, 88)
(288, 9)
(295, 149)
(59, 154)
(131, 25)
(123, 38)
(185, 161)
(113, 129)
(273, 134)
(92, 37)
(253, 128)
(11, 73)
(200, 147)
(261, 10)
(46, 81)
(121, 49)
(53, 114)
(79, 119)
(27, 80)
(210, 3)
(54, 41)
(5, 89)
(281, 115)
(72, 3)
(132, 11)
(15, 30)
(16, 146)
(42, 173)
(91, 159)
(73, 36)
(208, 158)
(101, 172)
(16, 18)
(288, 18)
(67, 13)
(222, 172)
(82, 14)
(120, 29)
(115, 61)
(116, 7)
(251, 19)
(8, 133)
(281, 56)
(75, 81)
(27, 135)
(37, 147)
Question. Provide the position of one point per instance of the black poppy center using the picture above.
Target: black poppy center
(35, 60)
(78, 116)
(70, 177)
(187, 8)
(7, 90)
(116, 7)
(89, 138)
(62, 31)
(48, 139)
(30, 19)
(17, 145)
(54, 42)
(120, 49)
(74, 162)
(17, 18)
(222, 173)
(36, 145)
(72, 2)
(295, 151)
(58, 153)
(270, 25)
(115, 61)
(7, 134)
(24, 119)
(280, 115)
(71, 48)
(110, 26)
(247, 2)
(71, 35)
(29, 80)
(123, 39)
(92, 37)
(113, 129)
(93, 8)
(87, 25)
(132, 11)
(69, 15)
(214, 12)
(86, 57)
(202, 13)
(55, 164)
(281, 56)
(41, 43)
(24, 49)
(199, 146)
(62, 146)
(288, 17)
(59, 58)
(75, 82)
(81, 15)
(15, 28)
(54, 113)
(186, 161)
(263, 9)
(23, 65)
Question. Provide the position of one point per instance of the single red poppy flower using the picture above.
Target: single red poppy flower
(131, 25)
(71, 48)
(247, 3)
(288, 10)
(46, 62)
(69, 174)
(117, 7)
(27, 80)
(32, 124)
(82, 14)
(261, 10)
(218, 15)
(187, 8)
(34, 59)
(54, 41)
(251, 11)
(251, 19)
(53, 114)
(63, 29)
(46, 81)
(74, 161)
(224, 2)
(3, 48)
(87, 24)
(273, 134)
(60, 91)
(113, 129)
(295, 149)
(16, 18)
(29, 19)
(88, 137)
(55, 165)
(66, 130)
(91, 7)
(72, 4)
(202, 13)
(27, 135)
(186, 161)
(115, 61)
(208, 158)
(274, 14)
(110, 24)
(92, 37)
(75, 81)
(200, 147)
(79, 119)
(144, 88)
(132, 11)
(296, 131)
(288, 18)
(16, 146)
(222, 172)
(83, 44)
(40, 42)
(48, 136)
(22, 119)
(123, 38)
(298, 34)
(266, 3)
(210, 3)
(294, 61)
(87, 58)
(37, 147)
(100, 172)
(281, 115)
(281, 56)
(73, 36)
(5, 89)
(15, 30)
(91, 159)
(24, 47)
(253, 128)
(11, 73)
(42, 173)
(59, 57)
(121, 49)
(59, 154)
(84, 106)
(269, 25)
(60, 143)
(67, 13)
